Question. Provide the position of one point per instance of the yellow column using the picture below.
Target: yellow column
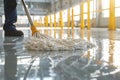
(61, 24)
(82, 16)
(50, 24)
(88, 13)
(50, 21)
(54, 25)
(68, 22)
(46, 24)
(46, 21)
(112, 25)
(72, 23)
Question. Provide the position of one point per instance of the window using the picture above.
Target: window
(105, 5)
(65, 16)
(76, 9)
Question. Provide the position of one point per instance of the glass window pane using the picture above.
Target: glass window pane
(85, 7)
(65, 16)
(117, 3)
(92, 5)
(117, 12)
(105, 13)
(105, 4)
(85, 16)
(76, 18)
(52, 17)
(77, 9)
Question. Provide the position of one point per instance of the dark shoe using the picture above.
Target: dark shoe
(13, 33)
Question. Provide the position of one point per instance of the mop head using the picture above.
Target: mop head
(44, 42)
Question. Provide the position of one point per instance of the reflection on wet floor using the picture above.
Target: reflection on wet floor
(99, 63)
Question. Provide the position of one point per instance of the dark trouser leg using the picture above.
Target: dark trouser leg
(10, 14)
(11, 18)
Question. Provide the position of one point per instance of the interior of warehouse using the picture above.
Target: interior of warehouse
(78, 40)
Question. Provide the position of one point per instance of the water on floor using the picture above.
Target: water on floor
(98, 63)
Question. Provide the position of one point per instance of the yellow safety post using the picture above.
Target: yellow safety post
(72, 23)
(50, 21)
(82, 16)
(88, 14)
(44, 21)
(112, 21)
(50, 24)
(46, 24)
(54, 25)
(68, 15)
(61, 23)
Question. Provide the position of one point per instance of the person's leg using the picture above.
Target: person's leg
(10, 18)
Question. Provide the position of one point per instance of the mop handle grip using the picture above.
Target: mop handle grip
(27, 13)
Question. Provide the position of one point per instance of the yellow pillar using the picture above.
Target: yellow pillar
(54, 25)
(46, 21)
(46, 24)
(50, 21)
(72, 23)
(88, 13)
(112, 21)
(68, 22)
(50, 24)
(61, 24)
(82, 16)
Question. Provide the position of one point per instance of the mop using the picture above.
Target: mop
(34, 30)
(44, 42)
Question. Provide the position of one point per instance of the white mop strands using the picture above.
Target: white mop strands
(45, 42)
